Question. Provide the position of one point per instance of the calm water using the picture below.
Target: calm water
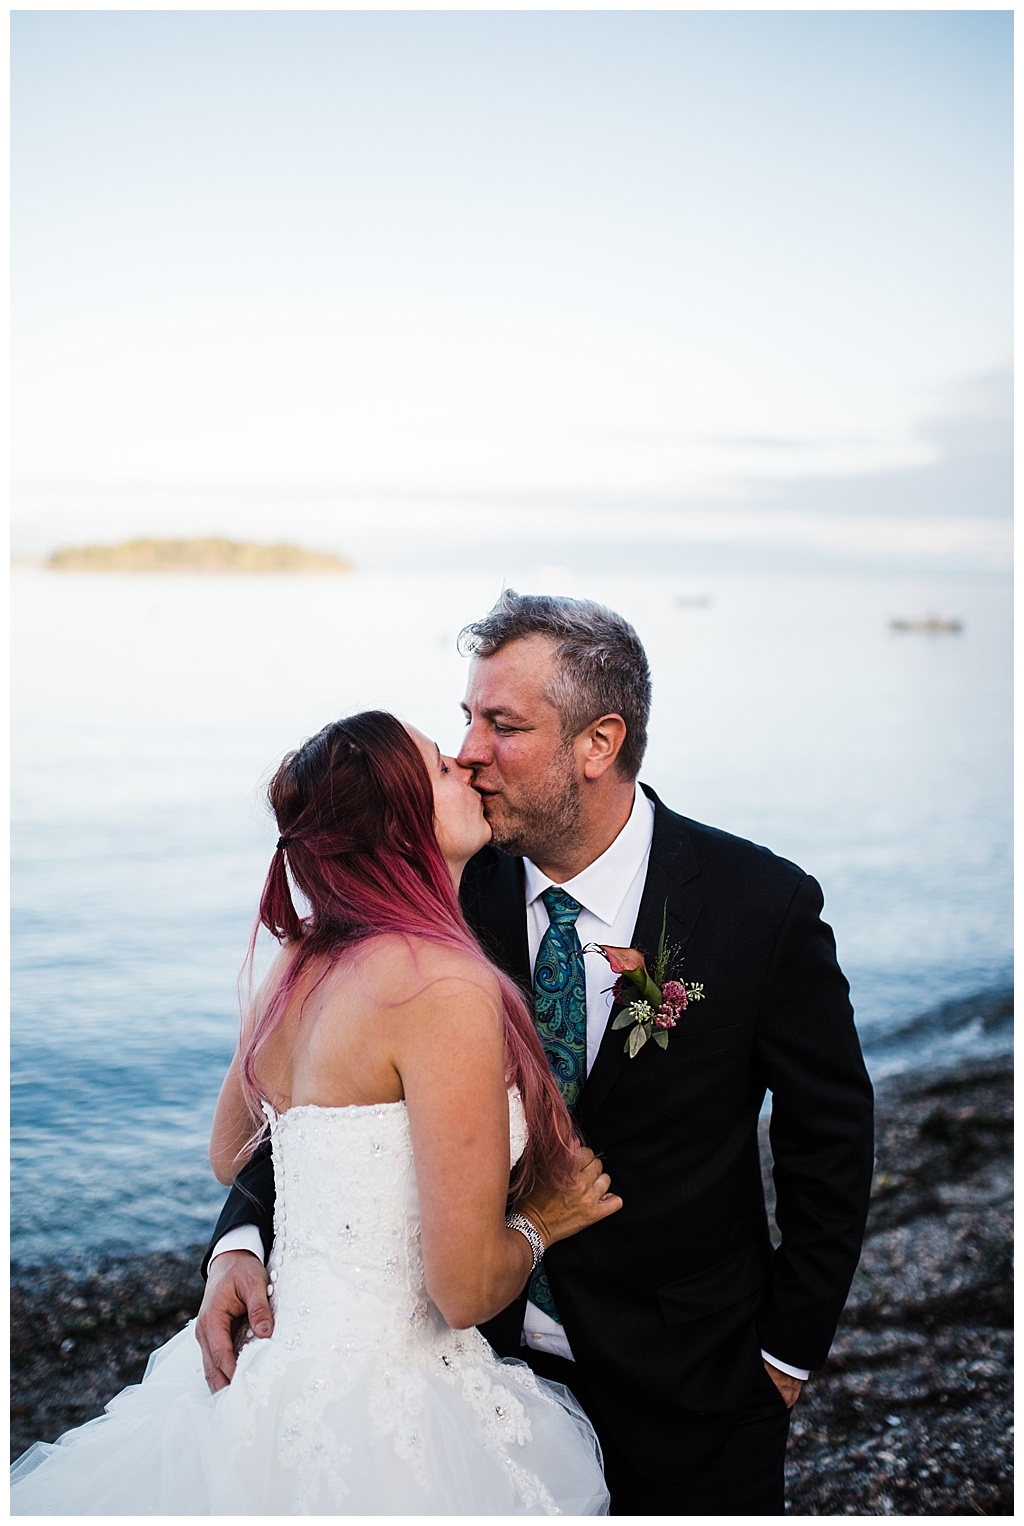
(147, 712)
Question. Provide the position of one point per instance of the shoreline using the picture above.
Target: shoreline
(912, 1414)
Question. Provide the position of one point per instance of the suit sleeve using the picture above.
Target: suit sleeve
(250, 1201)
(821, 1134)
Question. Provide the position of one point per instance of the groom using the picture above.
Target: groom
(681, 1331)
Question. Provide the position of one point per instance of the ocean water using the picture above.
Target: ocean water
(148, 713)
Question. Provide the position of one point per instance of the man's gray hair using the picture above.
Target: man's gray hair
(602, 666)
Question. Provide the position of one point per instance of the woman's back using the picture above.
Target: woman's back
(347, 1229)
(346, 1028)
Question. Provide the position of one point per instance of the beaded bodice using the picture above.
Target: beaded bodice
(347, 1227)
(351, 1306)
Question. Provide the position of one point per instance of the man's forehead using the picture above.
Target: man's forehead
(524, 656)
(517, 675)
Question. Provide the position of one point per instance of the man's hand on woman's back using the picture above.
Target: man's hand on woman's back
(235, 1301)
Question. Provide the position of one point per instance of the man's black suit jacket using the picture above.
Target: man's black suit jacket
(668, 1303)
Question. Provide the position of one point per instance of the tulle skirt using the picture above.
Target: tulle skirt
(324, 1433)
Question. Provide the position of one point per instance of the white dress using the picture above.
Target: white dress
(363, 1402)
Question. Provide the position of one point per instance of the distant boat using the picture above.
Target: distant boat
(934, 624)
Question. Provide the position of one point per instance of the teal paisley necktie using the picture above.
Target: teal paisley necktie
(560, 1008)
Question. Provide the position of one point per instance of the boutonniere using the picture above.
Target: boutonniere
(652, 1005)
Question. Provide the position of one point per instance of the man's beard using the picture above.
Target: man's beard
(540, 829)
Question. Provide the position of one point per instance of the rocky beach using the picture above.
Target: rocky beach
(913, 1413)
(911, 1416)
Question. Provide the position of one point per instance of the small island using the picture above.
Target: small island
(209, 553)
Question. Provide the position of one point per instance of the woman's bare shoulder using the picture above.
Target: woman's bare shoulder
(255, 1003)
(399, 969)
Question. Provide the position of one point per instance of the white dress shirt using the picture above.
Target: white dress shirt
(609, 892)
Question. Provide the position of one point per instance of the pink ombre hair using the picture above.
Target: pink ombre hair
(355, 809)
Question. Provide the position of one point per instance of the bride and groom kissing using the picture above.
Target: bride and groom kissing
(444, 1339)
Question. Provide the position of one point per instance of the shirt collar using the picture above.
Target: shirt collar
(601, 887)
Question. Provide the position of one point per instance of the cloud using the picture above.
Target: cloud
(968, 438)
(760, 442)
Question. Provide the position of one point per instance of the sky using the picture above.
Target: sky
(407, 283)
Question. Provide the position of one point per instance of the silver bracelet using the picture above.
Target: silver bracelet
(530, 1233)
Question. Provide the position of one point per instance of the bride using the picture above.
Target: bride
(400, 1079)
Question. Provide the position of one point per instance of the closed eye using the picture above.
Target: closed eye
(503, 731)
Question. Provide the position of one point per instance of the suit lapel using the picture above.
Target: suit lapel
(672, 882)
(493, 898)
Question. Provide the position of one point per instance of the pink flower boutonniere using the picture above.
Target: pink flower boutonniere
(652, 1005)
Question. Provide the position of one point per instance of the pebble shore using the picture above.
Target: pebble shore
(911, 1416)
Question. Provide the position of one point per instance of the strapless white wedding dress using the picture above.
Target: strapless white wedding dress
(363, 1402)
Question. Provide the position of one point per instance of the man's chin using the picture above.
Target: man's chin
(508, 840)
(492, 814)
(498, 829)
(512, 836)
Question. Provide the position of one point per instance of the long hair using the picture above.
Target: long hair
(355, 809)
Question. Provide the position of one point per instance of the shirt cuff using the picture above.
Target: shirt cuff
(542, 1333)
(791, 1372)
(245, 1237)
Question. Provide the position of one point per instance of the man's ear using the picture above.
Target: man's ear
(601, 744)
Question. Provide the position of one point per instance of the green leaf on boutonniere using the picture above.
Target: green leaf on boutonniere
(624, 1019)
(637, 1039)
(661, 1037)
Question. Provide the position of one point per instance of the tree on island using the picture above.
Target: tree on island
(205, 554)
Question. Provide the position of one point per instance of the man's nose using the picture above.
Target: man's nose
(474, 752)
